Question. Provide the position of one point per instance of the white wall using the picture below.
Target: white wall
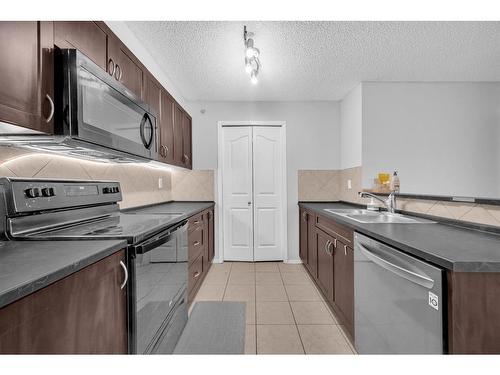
(312, 141)
(441, 137)
(351, 128)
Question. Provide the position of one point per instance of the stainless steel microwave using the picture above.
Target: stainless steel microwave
(94, 108)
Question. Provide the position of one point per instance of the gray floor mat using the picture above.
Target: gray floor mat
(214, 328)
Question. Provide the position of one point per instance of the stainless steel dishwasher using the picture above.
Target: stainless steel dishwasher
(398, 301)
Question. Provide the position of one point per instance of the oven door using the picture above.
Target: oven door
(98, 109)
(158, 306)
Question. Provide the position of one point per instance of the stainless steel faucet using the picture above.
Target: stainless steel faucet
(389, 203)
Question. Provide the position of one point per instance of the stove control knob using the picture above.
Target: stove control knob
(45, 192)
(32, 192)
(106, 190)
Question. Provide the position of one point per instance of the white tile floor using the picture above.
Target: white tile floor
(286, 313)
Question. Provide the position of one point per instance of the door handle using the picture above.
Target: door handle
(414, 277)
(125, 271)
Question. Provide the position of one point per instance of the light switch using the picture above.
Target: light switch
(349, 184)
(160, 182)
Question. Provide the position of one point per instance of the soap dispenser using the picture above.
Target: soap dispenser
(395, 184)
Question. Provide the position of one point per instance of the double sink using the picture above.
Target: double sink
(376, 217)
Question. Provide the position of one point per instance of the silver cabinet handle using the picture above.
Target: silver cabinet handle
(335, 243)
(118, 72)
(111, 67)
(196, 274)
(327, 245)
(345, 249)
(186, 158)
(330, 250)
(166, 150)
(51, 114)
(125, 271)
(304, 216)
(196, 243)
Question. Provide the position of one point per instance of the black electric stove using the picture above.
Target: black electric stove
(37, 209)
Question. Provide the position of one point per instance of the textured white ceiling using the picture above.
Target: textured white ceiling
(318, 60)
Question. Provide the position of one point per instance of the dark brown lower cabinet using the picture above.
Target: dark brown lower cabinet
(84, 313)
(343, 272)
(326, 252)
(200, 249)
(325, 264)
(473, 312)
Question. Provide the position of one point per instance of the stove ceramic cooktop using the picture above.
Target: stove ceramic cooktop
(133, 228)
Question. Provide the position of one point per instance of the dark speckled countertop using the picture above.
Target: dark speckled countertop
(451, 247)
(27, 266)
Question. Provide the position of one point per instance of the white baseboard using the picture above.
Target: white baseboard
(293, 261)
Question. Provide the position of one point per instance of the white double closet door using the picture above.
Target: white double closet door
(253, 188)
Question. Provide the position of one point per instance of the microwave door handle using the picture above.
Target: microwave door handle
(398, 270)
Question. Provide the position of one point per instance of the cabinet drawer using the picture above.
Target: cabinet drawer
(195, 243)
(333, 228)
(195, 221)
(195, 271)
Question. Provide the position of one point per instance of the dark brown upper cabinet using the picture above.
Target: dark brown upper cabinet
(167, 127)
(86, 36)
(125, 67)
(26, 75)
(178, 142)
(186, 141)
(27, 79)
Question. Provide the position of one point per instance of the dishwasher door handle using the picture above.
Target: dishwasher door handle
(398, 270)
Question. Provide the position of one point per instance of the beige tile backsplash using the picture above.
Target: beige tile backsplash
(314, 184)
(139, 182)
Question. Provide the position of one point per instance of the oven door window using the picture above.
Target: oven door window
(161, 276)
(112, 119)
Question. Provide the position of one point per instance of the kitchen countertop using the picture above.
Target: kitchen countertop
(184, 209)
(27, 266)
(451, 247)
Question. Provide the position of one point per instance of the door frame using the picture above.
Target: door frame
(220, 202)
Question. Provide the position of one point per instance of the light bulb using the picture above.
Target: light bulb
(253, 77)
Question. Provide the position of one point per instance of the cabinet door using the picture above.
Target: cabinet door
(303, 216)
(84, 313)
(312, 248)
(167, 127)
(344, 283)
(86, 36)
(124, 66)
(178, 142)
(186, 140)
(211, 234)
(26, 74)
(325, 263)
(153, 99)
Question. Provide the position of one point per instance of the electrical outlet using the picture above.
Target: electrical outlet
(160, 182)
(349, 184)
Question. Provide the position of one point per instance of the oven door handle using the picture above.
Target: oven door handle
(158, 240)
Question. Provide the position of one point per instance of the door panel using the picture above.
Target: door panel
(267, 188)
(26, 74)
(178, 152)
(325, 263)
(186, 141)
(85, 36)
(167, 126)
(237, 193)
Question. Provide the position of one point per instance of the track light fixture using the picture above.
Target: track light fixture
(252, 62)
